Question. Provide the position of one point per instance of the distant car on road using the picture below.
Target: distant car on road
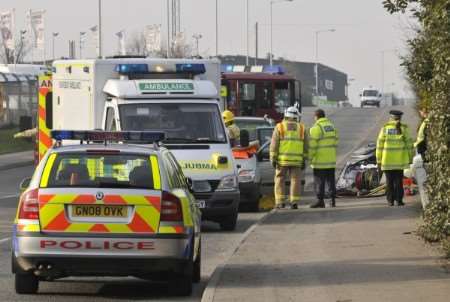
(102, 209)
(370, 97)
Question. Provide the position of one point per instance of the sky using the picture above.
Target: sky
(364, 34)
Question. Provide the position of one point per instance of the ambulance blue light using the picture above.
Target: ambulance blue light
(132, 68)
(115, 136)
(191, 68)
(275, 69)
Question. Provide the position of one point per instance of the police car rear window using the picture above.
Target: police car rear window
(101, 171)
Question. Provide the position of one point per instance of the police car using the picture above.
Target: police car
(107, 209)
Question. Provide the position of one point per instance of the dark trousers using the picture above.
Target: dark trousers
(394, 185)
(321, 177)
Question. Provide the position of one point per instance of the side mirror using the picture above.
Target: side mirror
(189, 184)
(245, 138)
(24, 184)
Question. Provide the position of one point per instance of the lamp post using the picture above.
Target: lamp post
(316, 68)
(82, 35)
(272, 2)
(99, 46)
(197, 37)
(217, 28)
(247, 34)
(54, 35)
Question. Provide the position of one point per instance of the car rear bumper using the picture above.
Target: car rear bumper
(71, 256)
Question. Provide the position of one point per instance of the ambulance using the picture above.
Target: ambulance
(179, 97)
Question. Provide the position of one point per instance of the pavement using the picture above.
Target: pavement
(16, 160)
(362, 250)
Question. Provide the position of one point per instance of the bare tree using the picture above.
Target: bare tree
(8, 56)
(136, 45)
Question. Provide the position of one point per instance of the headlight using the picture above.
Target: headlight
(246, 176)
(228, 183)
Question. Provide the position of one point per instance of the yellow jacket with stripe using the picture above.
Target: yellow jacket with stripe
(289, 144)
(394, 149)
(323, 141)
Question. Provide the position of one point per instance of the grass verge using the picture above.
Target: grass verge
(8, 144)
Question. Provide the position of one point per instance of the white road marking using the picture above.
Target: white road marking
(9, 196)
(4, 240)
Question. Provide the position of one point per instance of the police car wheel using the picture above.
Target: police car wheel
(181, 284)
(229, 222)
(196, 276)
(26, 283)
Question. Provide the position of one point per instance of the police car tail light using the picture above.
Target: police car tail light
(170, 208)
(29, 205)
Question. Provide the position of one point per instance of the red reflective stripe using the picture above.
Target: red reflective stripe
(44, 199)
(84, 199)
(155, 202)
(43, 91)
(114, 199)
(59, 223)
(138, 225)
(179, 229)
(42, 113)
(99, 228)
(45, 139)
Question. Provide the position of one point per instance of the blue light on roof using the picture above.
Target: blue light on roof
(191, 68)
(60, 135)
(131, 68)
(275, 69)
(226, 68)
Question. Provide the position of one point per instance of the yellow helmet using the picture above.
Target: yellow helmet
(227, 116)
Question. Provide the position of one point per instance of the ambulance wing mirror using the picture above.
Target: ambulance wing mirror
(24, 184)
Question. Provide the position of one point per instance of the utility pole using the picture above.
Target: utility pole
(82, 34)
(217, 28)
(248, 34)
(168, 29)
(99, 28)
(272, 2)
(256, 43)
(54, 35)
(197, 37)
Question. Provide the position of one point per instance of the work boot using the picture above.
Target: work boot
(280, 206)
(400, 203)
(294, 206)
(333, 203)
(318, 204)
(391, 203)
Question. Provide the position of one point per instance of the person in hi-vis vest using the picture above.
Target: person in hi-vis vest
(287, 154)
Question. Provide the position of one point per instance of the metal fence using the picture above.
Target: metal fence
(18, 98)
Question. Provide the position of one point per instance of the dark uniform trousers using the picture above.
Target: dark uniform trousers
(321, 177)
(394, 185)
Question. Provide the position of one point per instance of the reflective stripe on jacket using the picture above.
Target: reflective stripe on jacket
(394, 150)
(322, 144)
(288, 144)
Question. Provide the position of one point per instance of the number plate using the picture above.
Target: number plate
(99, 211)
(201, 204)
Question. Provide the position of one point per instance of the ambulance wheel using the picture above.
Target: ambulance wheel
(27, 283)
(197, 266)
(181, 284)
(229, 222)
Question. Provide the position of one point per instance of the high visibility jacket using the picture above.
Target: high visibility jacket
(323, 140)
(394, 150)
(234, 133)
(288, 144)
(421, 132)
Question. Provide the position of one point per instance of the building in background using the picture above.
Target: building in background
(333, 86)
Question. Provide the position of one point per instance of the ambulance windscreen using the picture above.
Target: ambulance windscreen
(181, 122)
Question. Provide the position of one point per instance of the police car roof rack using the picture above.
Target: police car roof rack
(96, 136)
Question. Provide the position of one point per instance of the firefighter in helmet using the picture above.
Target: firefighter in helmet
(232, 129)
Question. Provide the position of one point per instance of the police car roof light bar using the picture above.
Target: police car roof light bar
(105, 136)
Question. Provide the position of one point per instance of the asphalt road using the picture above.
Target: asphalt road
(354, 125)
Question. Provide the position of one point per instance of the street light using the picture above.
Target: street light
(217, 28)
(82, 35)
(316, 68)
(197, 37)
(54, 35)
(272, 2)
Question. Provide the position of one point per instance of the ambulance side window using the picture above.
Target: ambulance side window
(49, 111)
(110, 123)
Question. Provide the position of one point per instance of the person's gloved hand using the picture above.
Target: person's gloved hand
(274, 164)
